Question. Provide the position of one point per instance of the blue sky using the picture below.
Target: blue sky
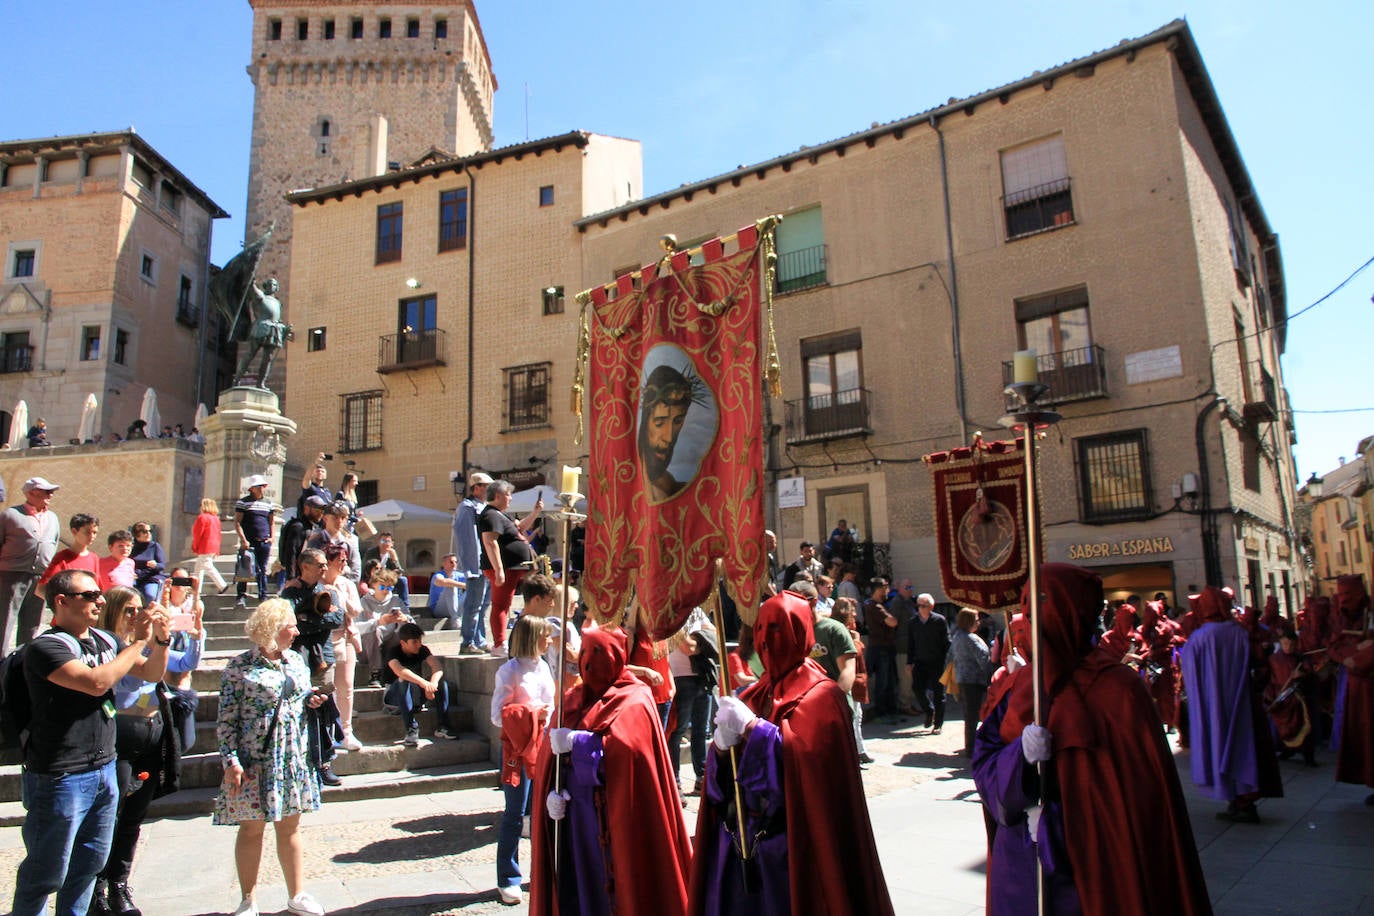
(712, 85)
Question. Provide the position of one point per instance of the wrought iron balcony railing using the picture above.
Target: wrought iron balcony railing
(829, 416)
(1045, 206)
(801, 269)
(1073, 375)
(410, 350)
(16, 359)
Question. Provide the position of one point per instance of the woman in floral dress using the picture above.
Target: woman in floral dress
(267, 771)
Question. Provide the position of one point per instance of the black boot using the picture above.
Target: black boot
(100, 902)
(121, 903)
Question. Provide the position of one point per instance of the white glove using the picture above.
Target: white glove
(1033, 821)
(557, 802)
(1036, 743)
(1013, 662)
(560, 740)
(732, 718)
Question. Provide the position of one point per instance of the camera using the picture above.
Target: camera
(183, 581)
(328, 457)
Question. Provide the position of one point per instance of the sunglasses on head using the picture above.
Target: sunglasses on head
(91, 595)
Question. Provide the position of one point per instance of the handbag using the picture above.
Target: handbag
(947, 679)
(245, 568)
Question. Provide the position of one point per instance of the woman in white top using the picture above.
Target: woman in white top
(345, 639)
(523, 699)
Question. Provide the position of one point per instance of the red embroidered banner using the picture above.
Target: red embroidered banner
(980, 523)
(676, 468)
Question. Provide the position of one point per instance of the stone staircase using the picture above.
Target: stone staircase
(385, 767)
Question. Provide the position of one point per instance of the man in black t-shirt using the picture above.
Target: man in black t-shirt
(506, 555)
(415, 676)
(70, 786)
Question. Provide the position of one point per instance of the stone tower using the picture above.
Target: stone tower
(348, 89)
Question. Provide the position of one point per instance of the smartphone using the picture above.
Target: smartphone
(182, 622)
(328, 457)
(183, 581)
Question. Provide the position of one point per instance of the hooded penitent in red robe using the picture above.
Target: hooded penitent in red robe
(1114, 837)
(623, 847)
(810, 839)
(1352, 647)
(1159, 636)
(1117, 642)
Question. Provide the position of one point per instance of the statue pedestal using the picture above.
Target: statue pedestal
(246, 435)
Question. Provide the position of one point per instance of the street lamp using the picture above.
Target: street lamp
(1314, 487)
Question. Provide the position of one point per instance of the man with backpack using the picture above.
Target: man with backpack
(70, 788)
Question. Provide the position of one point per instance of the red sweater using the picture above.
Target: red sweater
(205, 535)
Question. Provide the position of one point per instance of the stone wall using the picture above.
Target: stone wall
(154, 480)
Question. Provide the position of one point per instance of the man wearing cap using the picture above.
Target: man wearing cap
(28, 542)
(253, 523)
(294, 533)
(467, 548)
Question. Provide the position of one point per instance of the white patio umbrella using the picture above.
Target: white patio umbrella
(85, 432)
(19, 426)
(149, 414)
(201, 414)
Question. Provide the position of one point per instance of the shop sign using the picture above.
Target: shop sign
(1126, 547)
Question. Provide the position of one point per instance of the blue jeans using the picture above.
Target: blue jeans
(67, 836)
(508, 839)
(882, 680)
(261, 551)
(693, 711)
(476, 599)
(407, 697)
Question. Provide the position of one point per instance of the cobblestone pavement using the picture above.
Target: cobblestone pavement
(415, 856)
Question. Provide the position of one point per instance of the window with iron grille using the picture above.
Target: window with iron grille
(527, 396)
(1035, 187)
(360, 421)
(453, 219)
(441, 28)
(1114, 477)
(389, 232)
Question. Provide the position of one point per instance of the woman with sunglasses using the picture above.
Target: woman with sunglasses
(345, 639)
(147, 746)
(383, 612)
(150, 561)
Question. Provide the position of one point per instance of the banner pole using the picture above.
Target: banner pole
(1029, 417)
(568, 515)
(723, 683)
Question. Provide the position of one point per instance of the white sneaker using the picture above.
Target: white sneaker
(304, 905)
(525, 826)
(500, 651)
(511, 896)
(351, 743)
(247, 907)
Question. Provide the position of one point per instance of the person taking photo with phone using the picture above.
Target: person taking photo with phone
(147, 743)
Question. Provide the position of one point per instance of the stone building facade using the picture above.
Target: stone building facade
(1338, 527)
(450, 346)
(349, 89)
(1098, 212)
(107, 253)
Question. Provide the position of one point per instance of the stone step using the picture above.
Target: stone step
(219, 649)
(203, 770)
(417, 781)
(370, 725)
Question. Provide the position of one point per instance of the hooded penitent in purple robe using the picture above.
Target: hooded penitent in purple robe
(1113, 836)
(1232, 754)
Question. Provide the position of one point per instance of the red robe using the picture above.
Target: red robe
(1352, 646)
(1159, 636)
(1117, 642)
(645, 849)
(832, 861)
(1126, 829)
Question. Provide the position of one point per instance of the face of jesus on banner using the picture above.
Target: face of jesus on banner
(677, 422)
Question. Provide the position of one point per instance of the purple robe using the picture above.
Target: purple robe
(1008, 786)
(761, 789)
(1338, 711)
(583, 854)
(1215, 663)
